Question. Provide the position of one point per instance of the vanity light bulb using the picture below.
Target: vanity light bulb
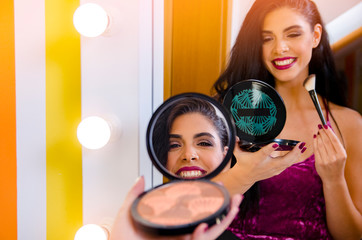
(93, 132)
(91, 232)
(90, 20)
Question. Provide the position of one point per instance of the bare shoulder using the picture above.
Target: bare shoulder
(350, 124)
(346, 117)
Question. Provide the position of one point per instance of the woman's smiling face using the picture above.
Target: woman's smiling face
(195, 147)
(288, 40)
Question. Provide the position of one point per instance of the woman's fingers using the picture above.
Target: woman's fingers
(328, 145)
(204, 233)
(123, 227)
(338, 148)
(261, 165)
(286, 160)
(330, 155)
(137, 188)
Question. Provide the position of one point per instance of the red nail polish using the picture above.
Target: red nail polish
(314, 136)
(303, 150)
(275, 145)
(301, 145)
(320, 126)
(325, 126)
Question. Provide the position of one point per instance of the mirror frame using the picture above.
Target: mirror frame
(164, 107)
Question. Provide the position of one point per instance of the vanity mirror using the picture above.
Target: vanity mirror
(190, 139)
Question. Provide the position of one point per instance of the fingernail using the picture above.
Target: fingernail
(314, 136)
(325, 126)
(301, 145)
(138, 178)
(303, 150)
(320, 126)
(275, 145)
(206, 228)
(242, 196)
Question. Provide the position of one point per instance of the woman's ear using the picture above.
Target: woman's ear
(226, 148)
(317, 35)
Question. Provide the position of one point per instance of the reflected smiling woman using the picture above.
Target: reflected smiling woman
(197, 139)
(195, 135)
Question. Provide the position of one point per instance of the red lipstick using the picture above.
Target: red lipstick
(284, 63)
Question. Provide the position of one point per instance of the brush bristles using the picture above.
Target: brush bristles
(309, 83)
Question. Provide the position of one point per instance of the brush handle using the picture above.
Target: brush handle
(314, 97)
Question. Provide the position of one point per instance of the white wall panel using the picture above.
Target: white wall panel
(30, 118)
(118, 81)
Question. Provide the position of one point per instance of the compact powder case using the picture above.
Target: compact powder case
(180, 205)
(259, 114)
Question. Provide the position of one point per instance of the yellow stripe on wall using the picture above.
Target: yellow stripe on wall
(63, 113)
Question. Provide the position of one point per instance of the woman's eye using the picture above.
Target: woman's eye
(174, 145)
(205, 144)
(294, 35)
(267, 39)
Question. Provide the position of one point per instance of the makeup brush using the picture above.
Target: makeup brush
(309, 84)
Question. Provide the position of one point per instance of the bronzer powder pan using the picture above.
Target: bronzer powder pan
(259, 114)
(180, 205)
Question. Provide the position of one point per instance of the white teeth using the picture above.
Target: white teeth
(191, 174)
(284, 62)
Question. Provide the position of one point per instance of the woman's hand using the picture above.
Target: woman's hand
(202, 233)
(261, 165)
(255, 166)
(124, 228)
(330, 155)
(343, 213)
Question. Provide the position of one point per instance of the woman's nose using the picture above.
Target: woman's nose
(281, 47)
(190, 154)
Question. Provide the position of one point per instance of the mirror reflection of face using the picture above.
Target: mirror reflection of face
(195, 148)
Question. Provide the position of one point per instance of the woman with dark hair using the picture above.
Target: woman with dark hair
(282, 42)
(190, 138)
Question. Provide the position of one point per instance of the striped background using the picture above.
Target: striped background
(51, 78)
(7, 122)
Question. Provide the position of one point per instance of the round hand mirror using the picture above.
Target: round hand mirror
(190, 136)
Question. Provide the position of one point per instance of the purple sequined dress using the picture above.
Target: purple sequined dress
(291, 206)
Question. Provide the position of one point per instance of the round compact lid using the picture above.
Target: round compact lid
(158, 131)
(257, 109)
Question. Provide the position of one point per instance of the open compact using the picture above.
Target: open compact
(189, 197)
(259, 114)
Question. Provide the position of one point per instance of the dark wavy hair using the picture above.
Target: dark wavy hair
(181, 107)
(246, 62)
(246, 55)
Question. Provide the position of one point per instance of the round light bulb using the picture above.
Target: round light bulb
(90, 20)
(91, 232)
(93, 132)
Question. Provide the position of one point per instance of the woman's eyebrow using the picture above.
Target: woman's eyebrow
(285, 30)
(175, 136)
(292, 27)
(202, 134)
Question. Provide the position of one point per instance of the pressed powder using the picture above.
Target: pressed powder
(180, 203)
(178, 207)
